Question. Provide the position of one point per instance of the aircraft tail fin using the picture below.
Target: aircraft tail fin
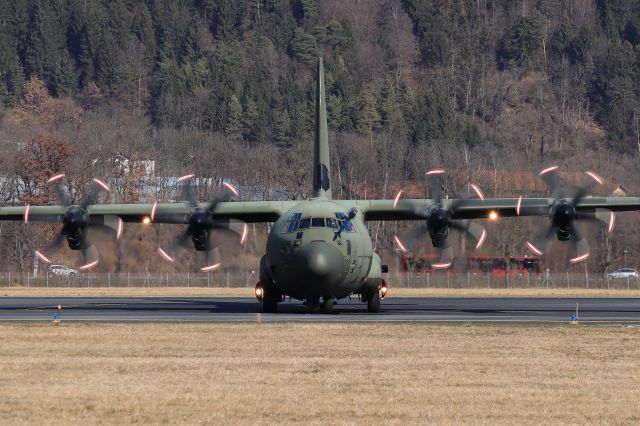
(321, 165)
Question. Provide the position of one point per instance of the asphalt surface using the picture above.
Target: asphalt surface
(407, 309)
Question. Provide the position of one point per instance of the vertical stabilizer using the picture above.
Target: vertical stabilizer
(321, 169)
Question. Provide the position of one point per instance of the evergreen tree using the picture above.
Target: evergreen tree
(234, 116)
(304, 47)
(369, 118)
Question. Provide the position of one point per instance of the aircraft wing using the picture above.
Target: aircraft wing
(246, 211)
(409, 209)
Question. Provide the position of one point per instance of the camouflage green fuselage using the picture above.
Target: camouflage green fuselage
(309, 257)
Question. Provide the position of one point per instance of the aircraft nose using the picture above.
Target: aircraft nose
(322, 259)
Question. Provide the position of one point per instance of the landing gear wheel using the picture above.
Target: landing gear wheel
(270, 300)
(312, 304)
(373, 302)
(327, 305)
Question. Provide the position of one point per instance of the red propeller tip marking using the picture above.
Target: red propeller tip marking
(518, 205)
(477, 190)
(231, 188)
(165, 255)
(245, 232)
(88, 265)
(595, 177)
(534, 249)
(55, 178)
(397, 199)
(26, 214)
(102, 183)
(399, 243)
(579, 258)
(119, 229)
(441, 265)
(185, 177)
(153, 211)
(42, 257)
(612, 222)
(436, 172)
(548, 169)
(211, 267)
(481, 240)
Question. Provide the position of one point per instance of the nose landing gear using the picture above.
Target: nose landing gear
(327, 304)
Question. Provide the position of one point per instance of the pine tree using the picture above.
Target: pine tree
(369, 118)
(304, 47)
(234, 116)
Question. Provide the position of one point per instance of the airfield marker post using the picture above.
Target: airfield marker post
(188, 277)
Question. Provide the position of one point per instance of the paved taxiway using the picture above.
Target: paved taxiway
(245, 309)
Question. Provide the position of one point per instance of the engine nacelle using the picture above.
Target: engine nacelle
(438, 225)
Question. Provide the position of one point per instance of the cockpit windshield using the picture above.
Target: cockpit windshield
(296, 223)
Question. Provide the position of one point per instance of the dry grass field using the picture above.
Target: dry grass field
(318, 374)
(248, 292)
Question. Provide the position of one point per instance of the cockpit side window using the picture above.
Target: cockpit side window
(292, 223)
(345, 223)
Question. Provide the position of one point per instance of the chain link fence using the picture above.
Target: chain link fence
(441, 279)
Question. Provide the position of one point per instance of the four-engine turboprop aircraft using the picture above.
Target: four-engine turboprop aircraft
(319, 249)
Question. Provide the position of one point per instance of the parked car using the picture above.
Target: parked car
(623, 273)
(62, 270)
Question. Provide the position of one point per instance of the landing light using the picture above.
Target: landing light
(383, 290)
(493, 215)
(259, 292)
(146, 220)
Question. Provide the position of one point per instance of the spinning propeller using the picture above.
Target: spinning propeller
(439, 221)
(76, 223)
(200, 223)
(564, 216)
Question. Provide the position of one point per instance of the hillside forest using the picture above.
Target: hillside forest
(488, 89)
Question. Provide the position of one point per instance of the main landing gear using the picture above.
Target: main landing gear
(374, 298)
(269, 296)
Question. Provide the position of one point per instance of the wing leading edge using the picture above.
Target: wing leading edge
(270, 211)
(481, 209)
(247, 211)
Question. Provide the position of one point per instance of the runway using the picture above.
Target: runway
(394, 309)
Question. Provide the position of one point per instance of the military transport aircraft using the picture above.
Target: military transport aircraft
(319, 250)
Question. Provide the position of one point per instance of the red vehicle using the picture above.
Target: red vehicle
(496, 266)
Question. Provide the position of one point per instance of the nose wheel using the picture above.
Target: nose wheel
(327, 305)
